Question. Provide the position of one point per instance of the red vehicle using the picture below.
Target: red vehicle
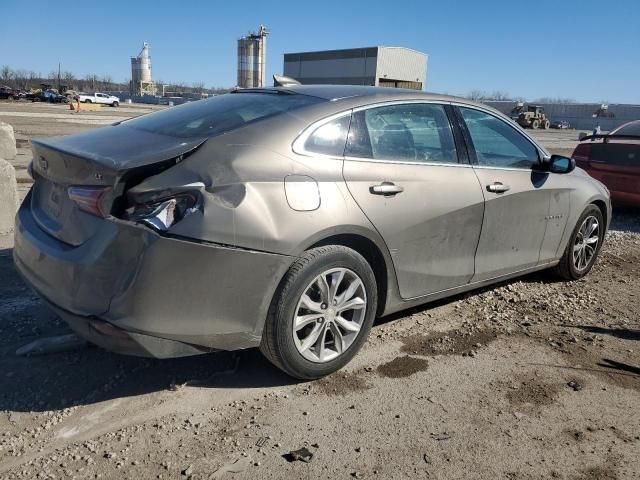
(614, 159)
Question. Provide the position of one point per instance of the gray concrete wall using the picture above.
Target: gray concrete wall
(8, 185)
(580, 115)
(354, 67)
(358, 66)
(399, 63)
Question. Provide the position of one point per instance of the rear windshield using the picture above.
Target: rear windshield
(220, 114)
(631, 128)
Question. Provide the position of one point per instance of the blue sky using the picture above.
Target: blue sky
(588, 50)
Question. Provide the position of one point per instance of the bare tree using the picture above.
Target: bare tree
(68, 77)
(476, 95)
(6, 73)
(555, 100)
(198, 87)
(499, 95)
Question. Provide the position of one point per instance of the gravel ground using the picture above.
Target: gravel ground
(530, 379)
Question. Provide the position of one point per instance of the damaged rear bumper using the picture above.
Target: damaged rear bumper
(117, 340)
(133, 291)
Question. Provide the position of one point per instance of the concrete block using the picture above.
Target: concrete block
(7, 142)
(8, 197)
(89, 107)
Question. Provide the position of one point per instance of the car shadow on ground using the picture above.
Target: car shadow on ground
(619, 366)
(536, 277)
(90, 375)
(622, 333)
(626, 219)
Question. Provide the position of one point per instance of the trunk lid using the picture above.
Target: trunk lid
(102, 158)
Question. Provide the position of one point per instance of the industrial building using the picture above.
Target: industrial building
(141, 79)
(397, 67)
(252, 59)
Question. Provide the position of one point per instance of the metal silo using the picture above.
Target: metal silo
(141, 80)
(252, 57)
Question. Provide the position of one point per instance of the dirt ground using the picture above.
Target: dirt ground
(530, 379)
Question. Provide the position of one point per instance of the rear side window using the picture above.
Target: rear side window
(412, 132)
(496, 143)
(220, 114)
(329, 139)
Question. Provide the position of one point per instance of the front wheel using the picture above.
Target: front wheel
(584, 245)
(114, 104)
(321, 314)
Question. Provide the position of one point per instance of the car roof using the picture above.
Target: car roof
(375, 94)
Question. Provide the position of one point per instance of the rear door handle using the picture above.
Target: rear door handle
(497, 187)
(386, 189)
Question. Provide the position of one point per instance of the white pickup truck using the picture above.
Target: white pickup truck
(99, 98)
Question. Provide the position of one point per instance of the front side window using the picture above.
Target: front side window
(414, 132)
(496, 143)
(329, 139)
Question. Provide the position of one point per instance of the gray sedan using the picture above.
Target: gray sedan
(289, 218)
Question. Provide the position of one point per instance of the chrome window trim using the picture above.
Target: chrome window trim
(298, 145)
(405, 162)
(510, 169)
(508, 122)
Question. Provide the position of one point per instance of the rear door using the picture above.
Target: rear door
(519, 198)
(616, 163)
(401, 166)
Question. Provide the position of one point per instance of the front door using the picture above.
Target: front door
(401, 166)
(517, 196)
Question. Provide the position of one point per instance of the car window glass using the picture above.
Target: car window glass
(220, 114)
(329, 139)
(496, 143)
(631, 128)
(413, 132)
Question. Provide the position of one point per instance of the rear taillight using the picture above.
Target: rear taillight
(160, 214)
(89, 199)
(582, 153)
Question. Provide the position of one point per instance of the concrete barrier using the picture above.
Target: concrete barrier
(7, 142)
(8, 185)
(8, 197)
(90, 107)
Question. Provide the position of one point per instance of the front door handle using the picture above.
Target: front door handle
(497, 187)
(386, 189)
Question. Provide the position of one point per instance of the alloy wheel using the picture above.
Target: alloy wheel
(586, 243)
(329, 315)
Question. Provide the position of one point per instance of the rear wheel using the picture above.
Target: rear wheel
(584, 245)
(321, 314)
(88, 101)
(546, 124)
(535, 124)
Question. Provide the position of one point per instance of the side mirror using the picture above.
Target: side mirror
(560, 164)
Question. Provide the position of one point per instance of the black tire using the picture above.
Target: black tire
(277, 339)
(546, 124)
(535, 124)
(88, 101)
(114, 104)
(566, 268)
